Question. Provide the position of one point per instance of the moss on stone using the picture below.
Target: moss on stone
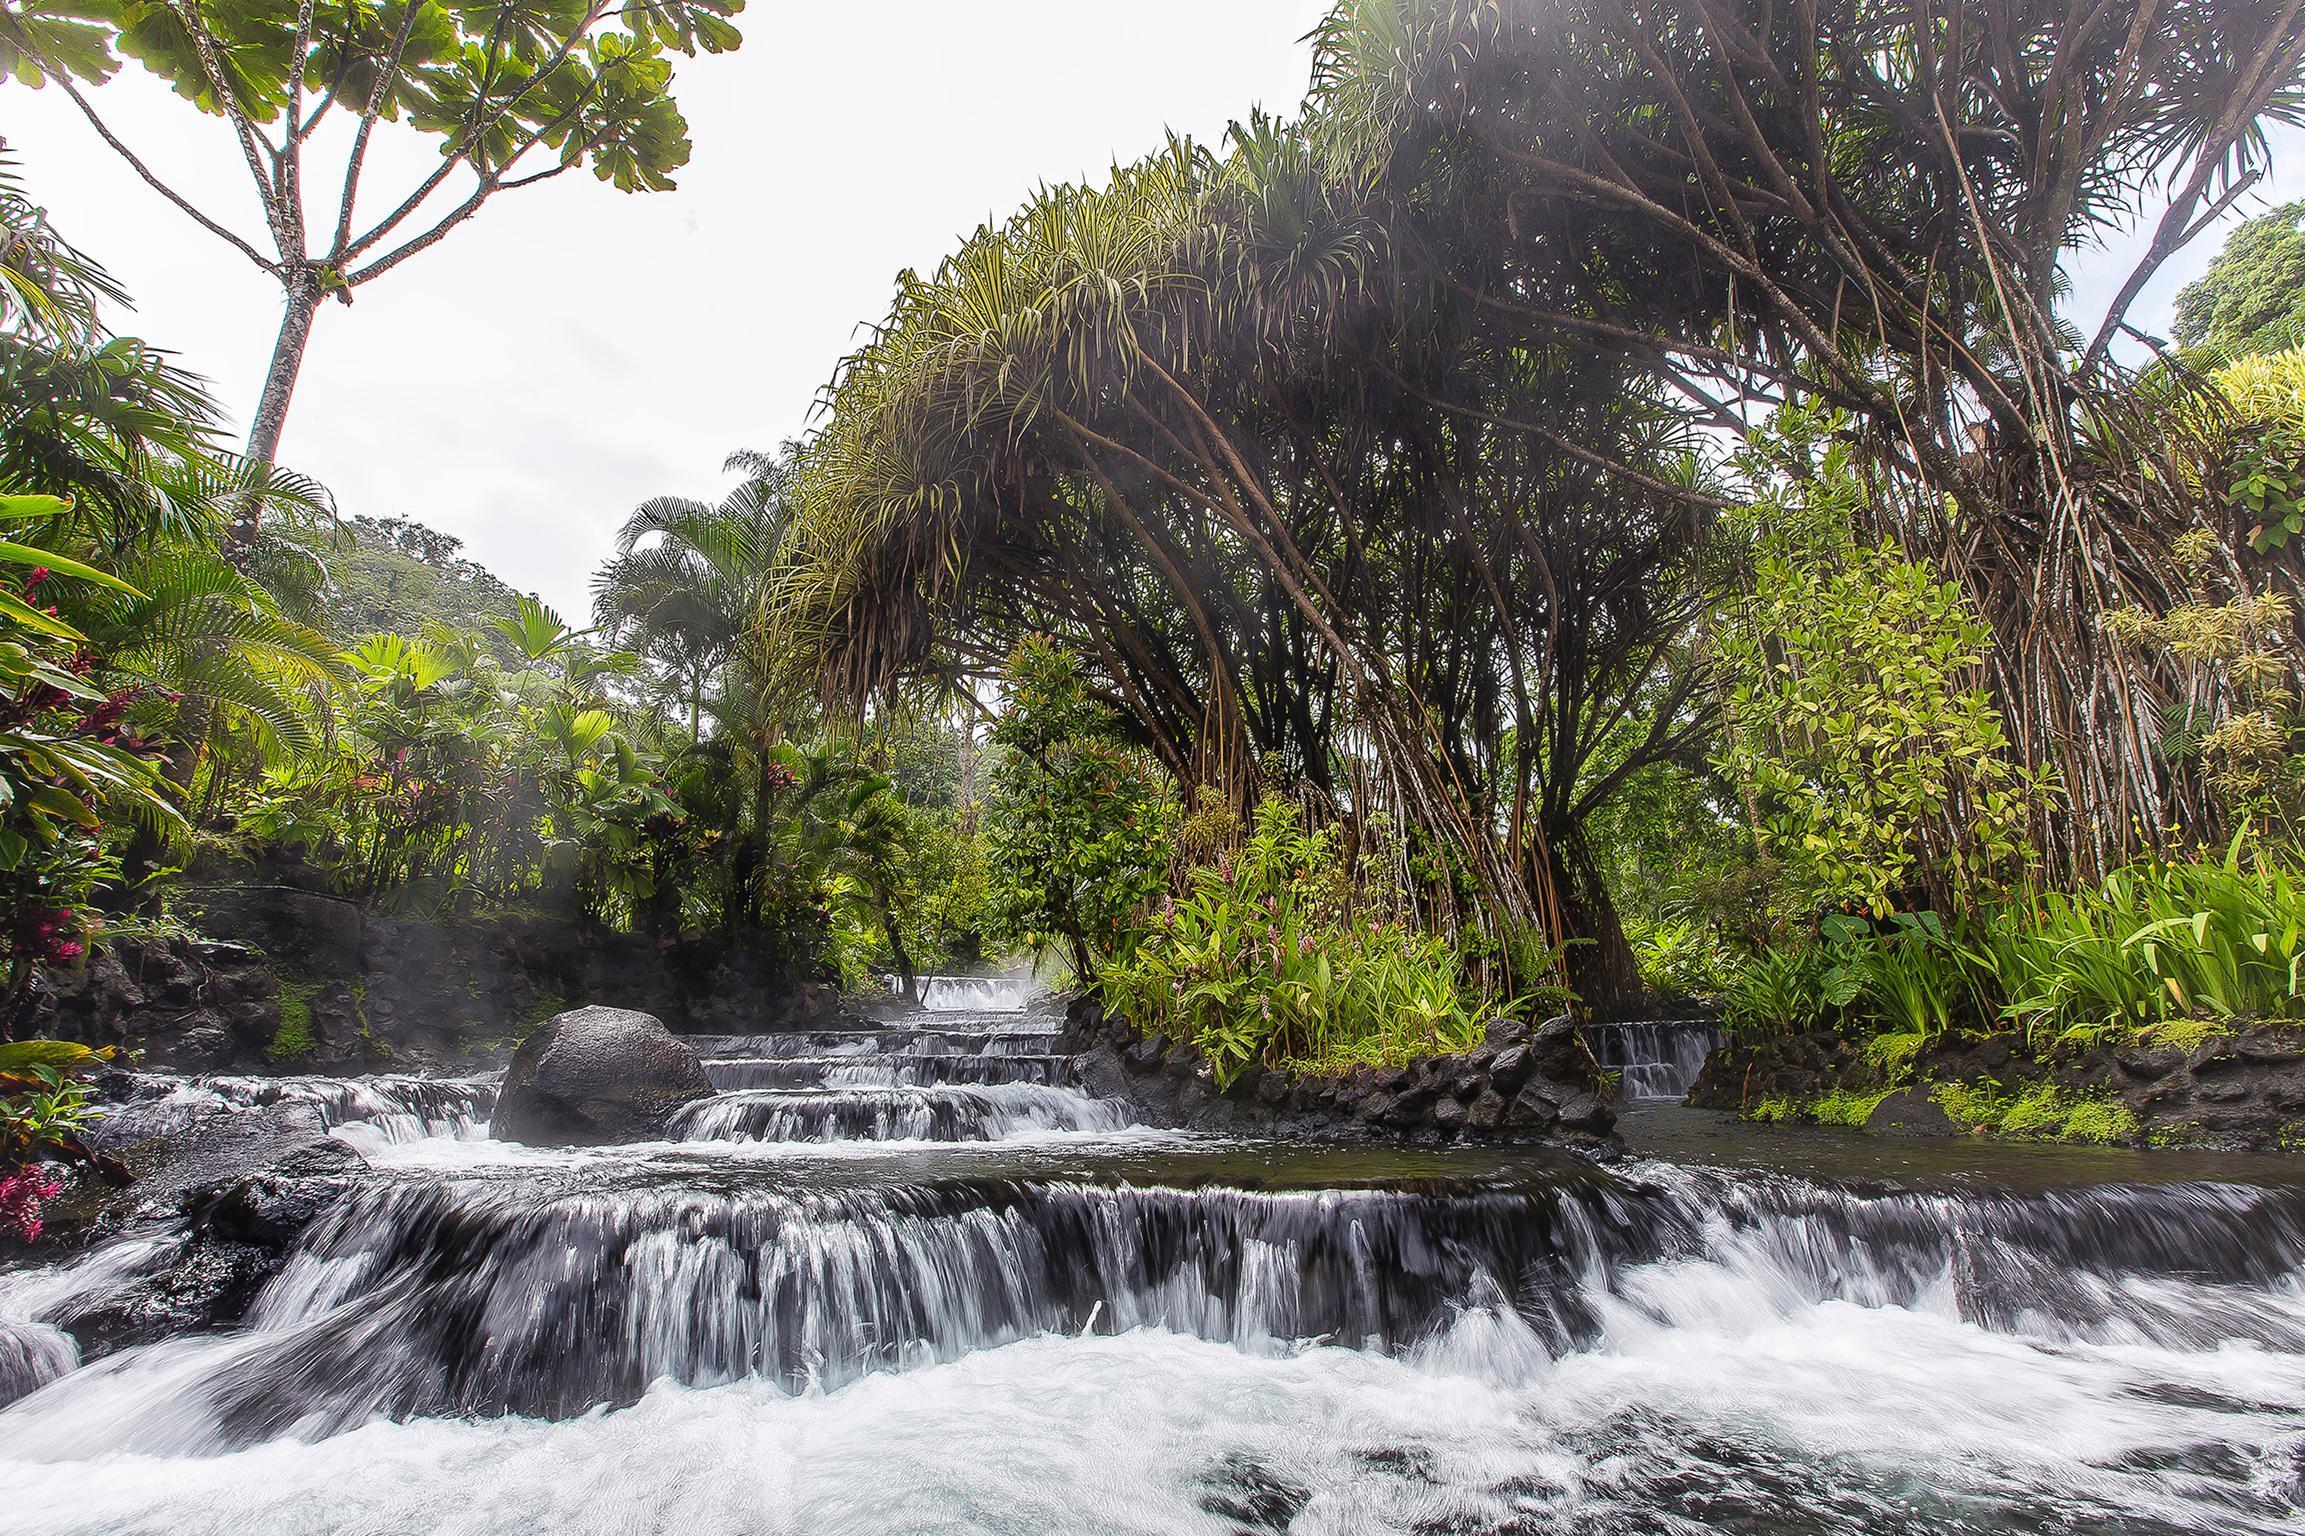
(294, 1037)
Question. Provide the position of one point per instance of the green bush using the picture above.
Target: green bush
(2157, 946)
(1079, 825)
(1272, 958)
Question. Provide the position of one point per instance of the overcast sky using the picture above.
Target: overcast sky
(574, 350)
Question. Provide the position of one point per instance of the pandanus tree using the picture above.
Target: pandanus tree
(512, 94)
(1211, 427)
(1871, 209)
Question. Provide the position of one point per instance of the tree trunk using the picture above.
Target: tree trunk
(303, 290)
(903, 959)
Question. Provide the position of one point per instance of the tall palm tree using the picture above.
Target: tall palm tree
(689, 578)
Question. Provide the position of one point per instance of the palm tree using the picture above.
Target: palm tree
(689, 578)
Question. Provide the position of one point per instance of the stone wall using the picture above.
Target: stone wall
(359, 992)
(2241, 1090)
(1522, 1084)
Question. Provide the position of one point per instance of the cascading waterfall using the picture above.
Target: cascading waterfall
(911, 1280)
(873, 1112)
(969, 994)
(368, 1112)
(1655, 1058)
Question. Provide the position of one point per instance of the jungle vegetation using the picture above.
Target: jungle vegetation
(1613, 498)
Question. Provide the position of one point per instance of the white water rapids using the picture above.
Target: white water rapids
(1026, 1317)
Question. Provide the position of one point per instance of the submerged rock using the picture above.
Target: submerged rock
(592, 1076)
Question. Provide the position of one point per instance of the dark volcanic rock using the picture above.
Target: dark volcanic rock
(225, 1194)
(1910, 1112)
(597, 1075)
(2241, 1088)
(1520, 1084)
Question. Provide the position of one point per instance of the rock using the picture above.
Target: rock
(1147, 1054)
(1534, 1108)
(2147, 1065)
(31, 1356)
(1504, 1032)
(1910, 1112)
(1511, 1069)
(205, 1047)
(1486, 1111)
(2263, 1052)
(595, 1075)
(1557, 1050)
(1450, 1115)
(247, 1181)
(1589, 1113)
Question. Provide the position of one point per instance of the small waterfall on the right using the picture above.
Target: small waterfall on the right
(1655, 1058)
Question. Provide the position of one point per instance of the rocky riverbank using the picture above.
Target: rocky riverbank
(2239, 1089)
(1521, 1084)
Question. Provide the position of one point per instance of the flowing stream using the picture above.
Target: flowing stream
(912, 1279)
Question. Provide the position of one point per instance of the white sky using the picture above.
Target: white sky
(574, 350)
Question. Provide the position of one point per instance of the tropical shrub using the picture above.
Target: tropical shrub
(41, 1109)
(2154, 947)
(1856, 711)
(1273, 957)
(1078, 824)
(1680, 956)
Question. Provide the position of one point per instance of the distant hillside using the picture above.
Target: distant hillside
(398, 575)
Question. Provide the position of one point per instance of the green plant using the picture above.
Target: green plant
(1877, 759)
(1681, 957)
(1270, 958)
(2156, 945)
(1779, 991)
(294, 1038)
(1846, 1107)
(2042, 1112)
(1079, 826)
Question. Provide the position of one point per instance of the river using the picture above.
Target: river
(909, 1279)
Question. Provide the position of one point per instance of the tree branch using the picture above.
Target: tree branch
(141, 169)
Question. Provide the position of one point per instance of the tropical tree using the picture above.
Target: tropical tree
(1870, 209)
(2252, 298)
(512, 95)
(689, 579)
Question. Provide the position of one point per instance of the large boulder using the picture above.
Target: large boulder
(597, 1075)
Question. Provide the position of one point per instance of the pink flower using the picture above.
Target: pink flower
(21, 1196)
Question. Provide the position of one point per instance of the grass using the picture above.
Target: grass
(2042, 1112)
(1845, 1106)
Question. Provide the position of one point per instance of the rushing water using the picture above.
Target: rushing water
(913, 1280)
(1655, 1058)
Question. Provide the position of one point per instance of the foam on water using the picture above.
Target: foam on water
(1888, 1422)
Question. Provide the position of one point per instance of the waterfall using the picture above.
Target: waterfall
(849, 1110)
(1655, 1059)
(967, 994)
